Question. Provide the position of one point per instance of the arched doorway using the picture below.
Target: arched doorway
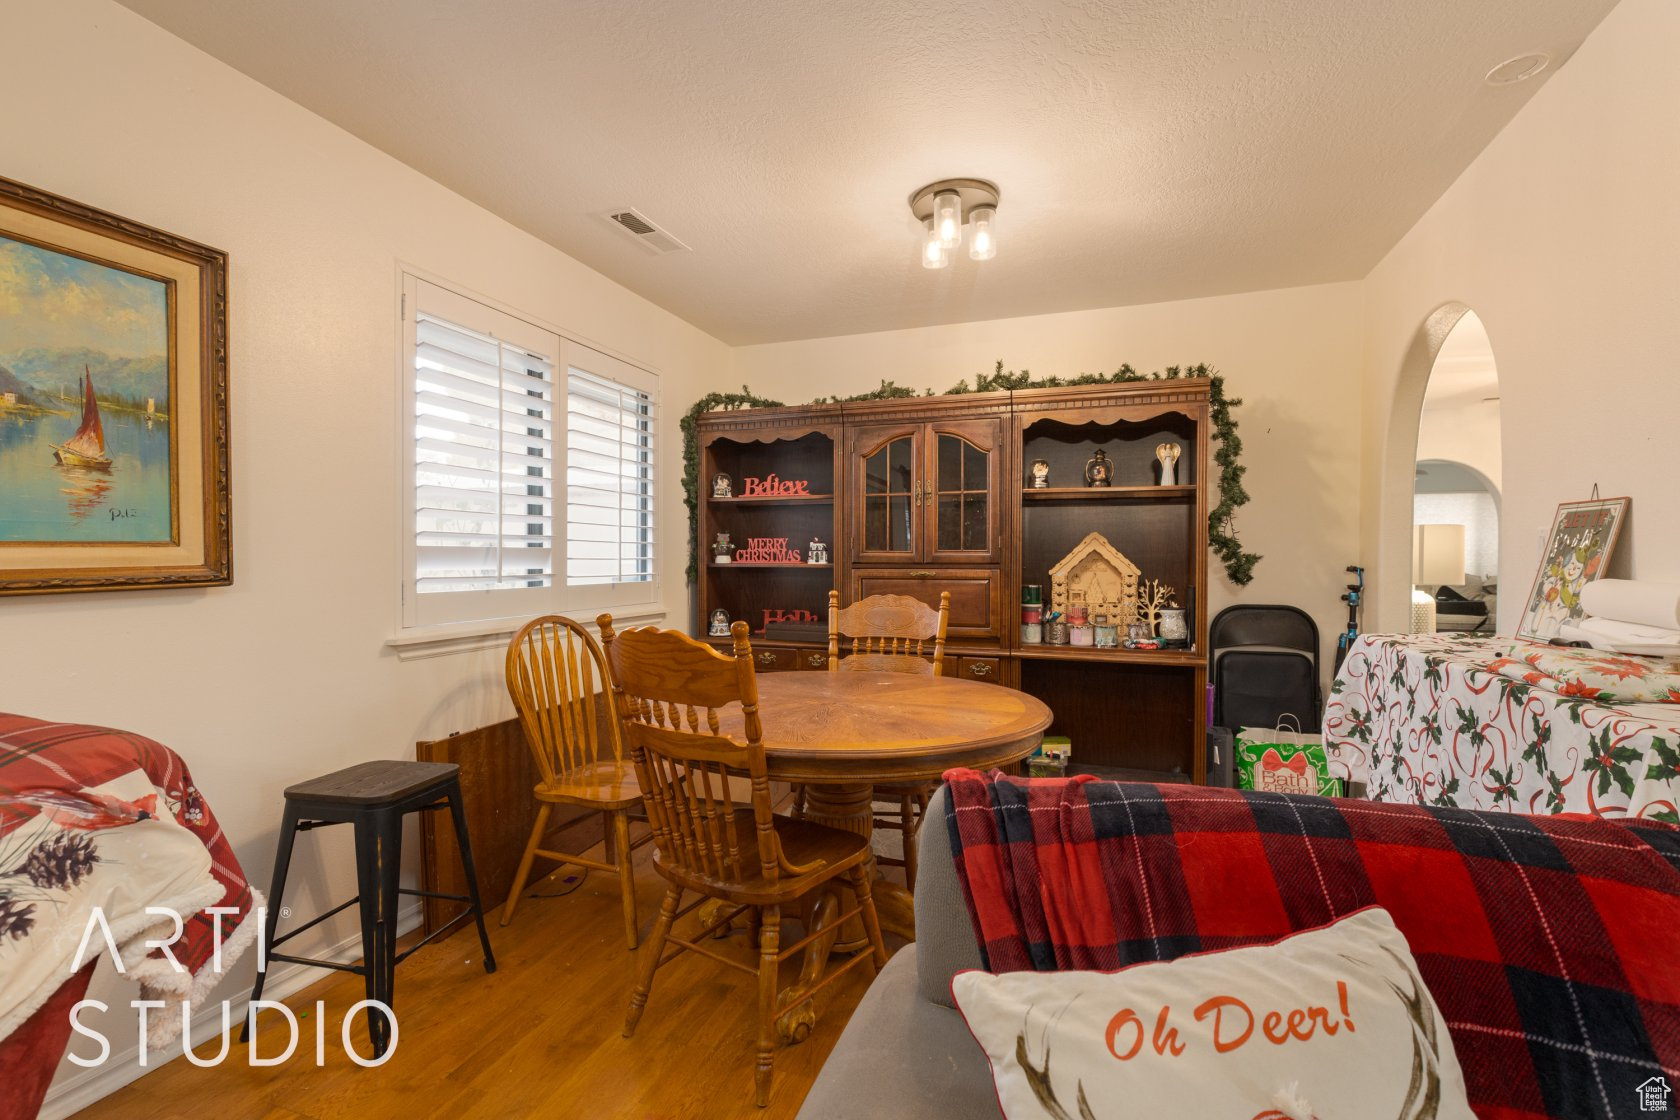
(1455, 504)
(1446, 411)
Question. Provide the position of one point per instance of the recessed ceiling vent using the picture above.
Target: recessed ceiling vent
(637, 227)
(1519, 69)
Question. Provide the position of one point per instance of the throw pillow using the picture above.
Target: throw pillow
(1331, 1022)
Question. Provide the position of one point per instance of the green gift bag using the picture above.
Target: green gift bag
(1284, 760)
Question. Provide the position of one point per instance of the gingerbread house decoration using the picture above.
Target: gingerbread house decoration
(1099, 575)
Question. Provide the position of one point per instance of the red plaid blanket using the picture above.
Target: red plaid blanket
(93, 817)
(1551, 944)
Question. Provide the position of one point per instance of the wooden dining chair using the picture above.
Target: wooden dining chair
(890, 634)
(557, 677)
(668, 689)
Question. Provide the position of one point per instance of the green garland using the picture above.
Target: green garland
(1222, 533)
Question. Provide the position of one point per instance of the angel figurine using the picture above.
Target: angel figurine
(1167, 455)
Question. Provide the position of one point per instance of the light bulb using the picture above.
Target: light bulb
(982, 246)
(933, 253)
(947, 218)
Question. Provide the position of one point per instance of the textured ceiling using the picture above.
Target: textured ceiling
(1147, 150)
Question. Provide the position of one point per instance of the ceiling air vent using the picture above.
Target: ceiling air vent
(636, 226)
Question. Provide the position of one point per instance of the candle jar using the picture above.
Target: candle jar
(1081, 635)
(1032, 633)
(1032, 612)
(1032, 593)
(1057, 632)
(1108, 634)
(1173, 626)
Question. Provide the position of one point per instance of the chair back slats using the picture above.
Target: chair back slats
(554, 670)
(668, 689)
(888, 634)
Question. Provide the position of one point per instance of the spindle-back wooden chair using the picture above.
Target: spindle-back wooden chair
(668, 689)
(890, 634)
(557, 676)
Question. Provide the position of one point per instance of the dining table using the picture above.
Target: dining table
(839, 734)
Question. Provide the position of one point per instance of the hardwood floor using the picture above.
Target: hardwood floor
(540, 1037)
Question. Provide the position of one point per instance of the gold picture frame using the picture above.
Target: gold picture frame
(114, 457)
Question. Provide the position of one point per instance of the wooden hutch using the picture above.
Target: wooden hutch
(922, 495)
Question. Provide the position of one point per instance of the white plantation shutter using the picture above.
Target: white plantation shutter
(609, 474)
(532, 468)
(484, 414)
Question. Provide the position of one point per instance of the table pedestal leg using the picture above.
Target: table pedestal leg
(849, 807)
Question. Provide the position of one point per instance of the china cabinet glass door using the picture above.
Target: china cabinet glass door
(890, 509)
(960, 492)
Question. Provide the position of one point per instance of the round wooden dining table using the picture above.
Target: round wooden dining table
(839, 734)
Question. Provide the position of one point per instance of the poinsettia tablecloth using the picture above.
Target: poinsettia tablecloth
(1495, 723)
(99, 823)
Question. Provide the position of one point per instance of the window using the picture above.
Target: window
(609, 480)
(498, 405)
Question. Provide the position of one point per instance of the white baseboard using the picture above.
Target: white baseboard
(73, 1094)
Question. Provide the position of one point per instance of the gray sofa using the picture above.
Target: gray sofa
(906, 1051)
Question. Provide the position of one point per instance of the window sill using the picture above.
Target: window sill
(440, 641)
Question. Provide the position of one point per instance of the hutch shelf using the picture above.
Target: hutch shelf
(921, 495)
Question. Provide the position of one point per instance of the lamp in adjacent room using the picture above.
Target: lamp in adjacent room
(1437, 558)
(949, 207)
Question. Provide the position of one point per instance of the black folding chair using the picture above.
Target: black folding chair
(1264, 662)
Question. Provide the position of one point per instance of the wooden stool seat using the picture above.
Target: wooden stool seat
(373, 783)
(373, 797)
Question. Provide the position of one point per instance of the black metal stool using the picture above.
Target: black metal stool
(373, 796)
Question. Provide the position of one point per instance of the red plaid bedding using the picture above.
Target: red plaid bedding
(1551, 944)
(90, 816)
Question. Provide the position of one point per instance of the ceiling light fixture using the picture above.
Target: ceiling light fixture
(943, 208)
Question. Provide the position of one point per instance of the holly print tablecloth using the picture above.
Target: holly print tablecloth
(1471, 722)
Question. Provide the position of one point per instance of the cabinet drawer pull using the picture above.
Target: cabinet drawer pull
(767, 657)
(919, 575)
(817, 660)
(980, 669)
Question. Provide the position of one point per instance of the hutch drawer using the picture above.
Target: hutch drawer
(976, 595)
(775, 659)
(987, 669)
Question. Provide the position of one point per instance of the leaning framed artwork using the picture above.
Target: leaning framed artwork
(114, 462)
(1578, 550)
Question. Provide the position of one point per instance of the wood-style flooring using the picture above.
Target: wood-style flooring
(540, 1037)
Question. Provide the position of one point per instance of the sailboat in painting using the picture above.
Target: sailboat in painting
(87, 447)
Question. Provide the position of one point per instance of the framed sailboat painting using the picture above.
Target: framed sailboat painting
(114, 466)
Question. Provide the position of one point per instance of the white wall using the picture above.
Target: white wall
(1468, 434)
(1562, 236)
(284, 675)
(1291, 355)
